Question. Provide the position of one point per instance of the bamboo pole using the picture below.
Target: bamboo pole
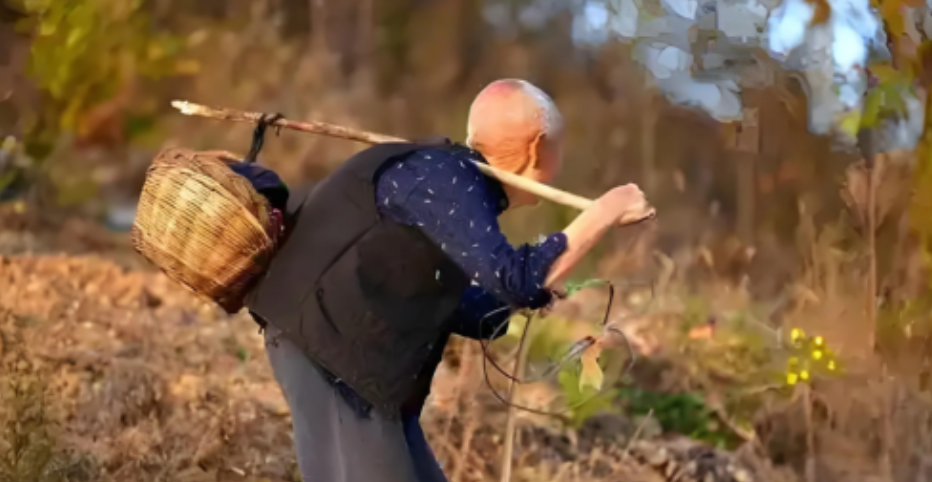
(315, 127)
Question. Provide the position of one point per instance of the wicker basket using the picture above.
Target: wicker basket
(203, 225)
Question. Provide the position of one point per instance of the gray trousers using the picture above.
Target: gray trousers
(333, 443)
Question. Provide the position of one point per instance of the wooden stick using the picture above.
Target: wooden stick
(510, 421)
(314, 127)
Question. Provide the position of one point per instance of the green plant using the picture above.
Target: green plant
(553, 338)
(584, 402)
(683, 413)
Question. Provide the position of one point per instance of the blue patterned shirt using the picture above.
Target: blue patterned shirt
(442, 192)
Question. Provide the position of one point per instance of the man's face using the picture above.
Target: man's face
(549, 162)
(545, 170)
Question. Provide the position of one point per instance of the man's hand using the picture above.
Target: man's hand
(557, 294)
(624, 205)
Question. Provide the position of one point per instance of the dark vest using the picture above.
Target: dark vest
(367, 298)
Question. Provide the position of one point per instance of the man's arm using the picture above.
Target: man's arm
(621, 206)
(452, 202)
(581, 236)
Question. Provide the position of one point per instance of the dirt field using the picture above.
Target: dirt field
(147, 383)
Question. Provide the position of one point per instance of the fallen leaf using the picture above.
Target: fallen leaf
(702, 332)
(591, 373)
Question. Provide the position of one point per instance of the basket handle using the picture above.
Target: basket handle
(316, 127)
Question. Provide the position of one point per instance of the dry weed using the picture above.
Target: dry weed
(29, 448)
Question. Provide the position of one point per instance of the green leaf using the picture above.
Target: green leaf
(871, 111)
(6, 179)
(884, 100)
(850, 122)
(573, 287)
(138, 125)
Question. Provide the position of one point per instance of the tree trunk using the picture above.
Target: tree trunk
(748, 149)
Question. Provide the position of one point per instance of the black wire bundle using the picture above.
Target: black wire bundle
(572, 355)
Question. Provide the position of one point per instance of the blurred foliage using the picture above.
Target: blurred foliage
(920, 213)
(84, 54)
(364, 63)
(910, 68)
(9, 152)
(895, 78)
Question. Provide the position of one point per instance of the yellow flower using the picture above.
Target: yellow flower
(791, 378)
(796, 334)
(819, 341)
(804, 375)
(831, 364)
(817, 354)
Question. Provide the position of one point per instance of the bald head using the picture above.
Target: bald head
(508, 118)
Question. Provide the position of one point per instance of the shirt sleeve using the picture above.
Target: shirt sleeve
(481, 316)
(445, 194)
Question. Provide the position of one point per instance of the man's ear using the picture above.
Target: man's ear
(535, 151)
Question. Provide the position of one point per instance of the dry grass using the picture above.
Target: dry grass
(150, 384)
(146, 383)
(29, 448)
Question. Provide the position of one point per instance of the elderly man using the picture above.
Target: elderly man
(391, 254)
